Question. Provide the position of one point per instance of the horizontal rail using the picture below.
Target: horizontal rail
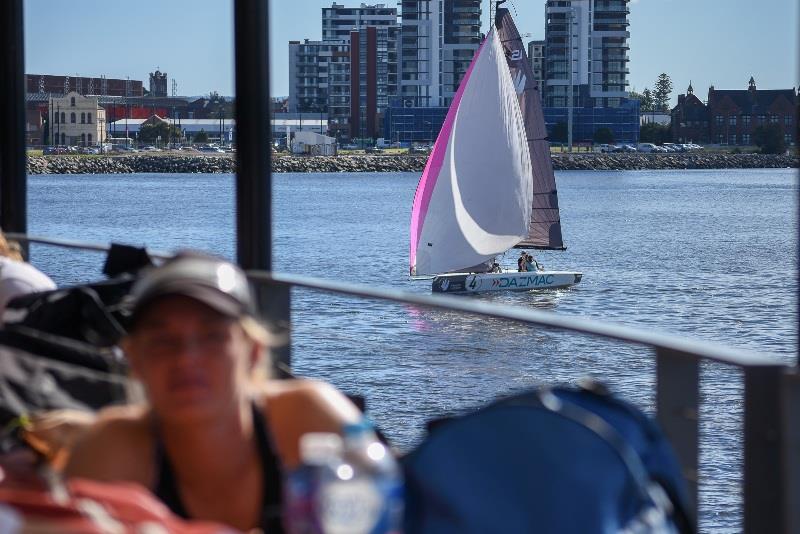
(701, 349)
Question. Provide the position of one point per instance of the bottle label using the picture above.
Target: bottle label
(350, 507)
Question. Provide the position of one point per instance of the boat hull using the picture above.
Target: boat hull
(508, 281)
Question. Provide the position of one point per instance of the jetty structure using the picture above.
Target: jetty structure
(771, 393)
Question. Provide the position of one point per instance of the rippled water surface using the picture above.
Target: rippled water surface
(708, 254)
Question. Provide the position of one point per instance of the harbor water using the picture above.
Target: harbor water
(707, 254)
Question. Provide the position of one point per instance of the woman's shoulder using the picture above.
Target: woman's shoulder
(296, 407)
(112, 448)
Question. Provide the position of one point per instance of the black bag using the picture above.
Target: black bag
(562, 461)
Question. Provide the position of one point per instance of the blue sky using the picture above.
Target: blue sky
(719, 42)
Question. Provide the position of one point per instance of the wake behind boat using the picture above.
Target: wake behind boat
(488, 185)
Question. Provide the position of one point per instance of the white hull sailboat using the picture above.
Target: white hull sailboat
(488, 185)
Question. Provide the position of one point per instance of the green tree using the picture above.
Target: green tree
(646, 103)
(150, 132)
(769, 138)
(652, 132)
(201, 137)
(603, 135)
(662, 92)
(559, 133)
(645, 99)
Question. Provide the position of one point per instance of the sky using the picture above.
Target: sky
(707, 42)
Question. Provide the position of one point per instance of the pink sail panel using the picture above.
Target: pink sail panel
(422, 197)
(478, 194)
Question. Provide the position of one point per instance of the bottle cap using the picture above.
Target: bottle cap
(319, 447)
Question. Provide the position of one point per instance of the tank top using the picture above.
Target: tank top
(166, 487)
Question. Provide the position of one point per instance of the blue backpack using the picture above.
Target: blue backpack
(549, 461)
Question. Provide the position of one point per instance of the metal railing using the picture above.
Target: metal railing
(771, 434)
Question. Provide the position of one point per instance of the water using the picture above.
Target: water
(708, 254)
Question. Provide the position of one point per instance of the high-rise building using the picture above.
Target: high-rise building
(438, 40)
(586, 49)
(351, 73)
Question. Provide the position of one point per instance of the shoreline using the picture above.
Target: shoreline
(179, 164)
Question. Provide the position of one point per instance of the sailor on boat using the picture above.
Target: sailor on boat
(215, 435)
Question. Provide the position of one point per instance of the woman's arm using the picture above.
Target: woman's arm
(296, 407)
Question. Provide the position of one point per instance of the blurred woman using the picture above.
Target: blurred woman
(16, 276)
(216, 434)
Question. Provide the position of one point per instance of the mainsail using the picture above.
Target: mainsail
(545, 224)
(475, 195)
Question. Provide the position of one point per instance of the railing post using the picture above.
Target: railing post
(677, 398)
(791, 448)
(764, 471)
(13, 174)
(253, 155)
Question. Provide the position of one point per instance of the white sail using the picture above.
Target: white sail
(474, 198)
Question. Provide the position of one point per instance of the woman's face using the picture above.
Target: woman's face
(193, 361)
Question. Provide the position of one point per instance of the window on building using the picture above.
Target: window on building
(63, 118)
(89, 118)
(72, 118)
(773, 119)
(72, 101)
(55, 118)
(732, 139)
(89, 139)
(732, 120)
(746, 121)
(745, 139)
(83, 139)
(721, 139)
(787, 139)
(787, 120)
(762, 119)
(63, 139)
(83, 118)
(720, 120)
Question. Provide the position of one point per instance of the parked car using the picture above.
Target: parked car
(604, 148)
(646, 147)
(350, 146)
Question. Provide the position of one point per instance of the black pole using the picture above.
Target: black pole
(253, 179)
(253, 176)
(13, 177)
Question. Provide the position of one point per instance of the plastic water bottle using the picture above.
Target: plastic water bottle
(320, 454)
(378, 478)
(344, 487)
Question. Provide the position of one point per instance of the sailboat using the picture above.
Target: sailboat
(488, 185)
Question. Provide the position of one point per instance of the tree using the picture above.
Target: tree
(559, 133)
(150, 132)
(603, 135)
(201, 137)
(645, 99)
(662, 92)
(769, 138)
(652, 132)
(646, 103)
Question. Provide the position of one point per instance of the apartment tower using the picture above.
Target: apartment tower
(586, 49)
(439, 38)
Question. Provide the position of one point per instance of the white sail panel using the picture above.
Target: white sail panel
(480, 205)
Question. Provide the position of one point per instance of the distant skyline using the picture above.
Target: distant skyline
(707, 42)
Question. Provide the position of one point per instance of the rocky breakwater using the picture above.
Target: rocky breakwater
(632, 161)
(142, 163)
(129, 164)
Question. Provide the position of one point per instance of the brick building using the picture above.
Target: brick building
(732, 116)
(690, 119)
